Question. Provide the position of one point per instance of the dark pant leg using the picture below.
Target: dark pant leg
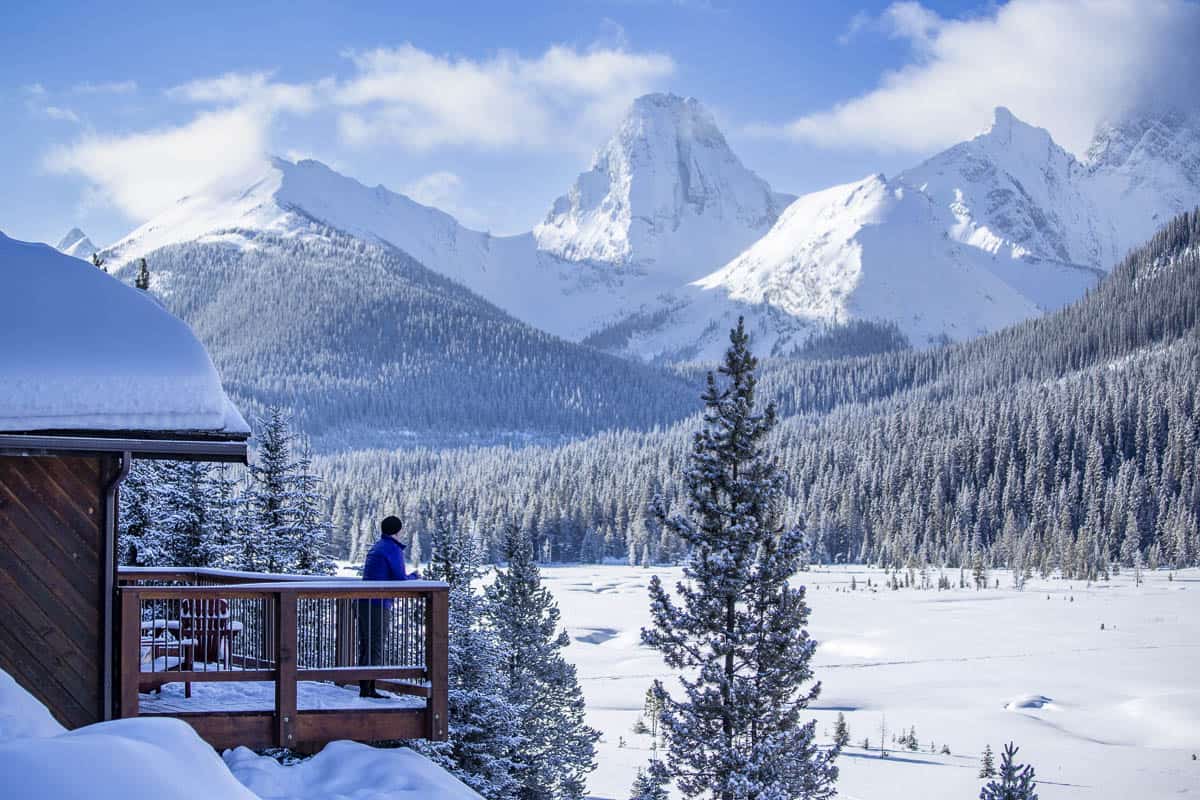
(370, 637)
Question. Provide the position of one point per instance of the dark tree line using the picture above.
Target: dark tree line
(1068, 442)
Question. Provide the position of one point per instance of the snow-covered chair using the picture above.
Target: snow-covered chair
(163, 650)
(209, 623)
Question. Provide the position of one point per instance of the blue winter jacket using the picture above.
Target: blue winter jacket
(385, 562)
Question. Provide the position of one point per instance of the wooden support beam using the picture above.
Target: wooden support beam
(437, 624)
(344, 644)
(363, 726)
(285, 679)
(131, 651)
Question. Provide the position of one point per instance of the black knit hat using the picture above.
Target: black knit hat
(391, 526)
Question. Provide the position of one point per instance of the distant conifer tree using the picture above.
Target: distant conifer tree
(142, 281)
(987, 765)
(1015, 782)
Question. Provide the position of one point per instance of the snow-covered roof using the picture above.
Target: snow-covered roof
(82, 351)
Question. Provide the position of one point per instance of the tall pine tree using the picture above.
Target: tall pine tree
(558, 748)
(737, 631)
(484, 742)
(285, 516)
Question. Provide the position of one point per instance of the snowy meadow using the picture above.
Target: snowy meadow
(1096, 684)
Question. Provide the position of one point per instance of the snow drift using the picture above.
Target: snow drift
(156, 758)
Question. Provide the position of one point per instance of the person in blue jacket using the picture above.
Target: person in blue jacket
(385, 562)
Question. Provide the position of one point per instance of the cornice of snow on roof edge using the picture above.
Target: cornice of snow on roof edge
(175, 445)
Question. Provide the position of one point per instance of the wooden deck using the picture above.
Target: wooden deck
(286, 631)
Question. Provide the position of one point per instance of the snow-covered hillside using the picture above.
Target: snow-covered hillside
(870, 250)
(76, 243)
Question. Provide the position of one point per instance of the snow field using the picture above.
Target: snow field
(1112, 713)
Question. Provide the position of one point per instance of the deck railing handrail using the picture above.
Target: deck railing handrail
(353, 590)
(278, 603)
(130, 574)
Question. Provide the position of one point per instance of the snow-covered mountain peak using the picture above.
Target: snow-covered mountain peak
(1149, 142)
(1008, 132)
(76, 243)
(665, 193)
(1012, 190)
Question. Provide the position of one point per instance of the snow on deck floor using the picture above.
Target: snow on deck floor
(260, 696)
(1102, 714)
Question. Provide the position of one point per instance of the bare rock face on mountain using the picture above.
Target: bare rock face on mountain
(1141, 172)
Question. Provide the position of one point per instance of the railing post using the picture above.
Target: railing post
(131, 651)
(437, 625)
(285, 673)
(344, 643)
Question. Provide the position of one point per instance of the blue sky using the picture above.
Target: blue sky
(490, 111)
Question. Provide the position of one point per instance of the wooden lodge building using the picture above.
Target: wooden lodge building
(95, 374)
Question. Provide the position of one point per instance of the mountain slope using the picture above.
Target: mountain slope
(666, 202)
(668, 238)
(370, 348)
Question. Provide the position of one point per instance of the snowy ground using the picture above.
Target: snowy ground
(156, 758)
(1112, 713)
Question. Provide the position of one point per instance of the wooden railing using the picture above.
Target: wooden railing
(299, 632)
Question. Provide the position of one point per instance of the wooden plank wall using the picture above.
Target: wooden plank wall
(51, 592)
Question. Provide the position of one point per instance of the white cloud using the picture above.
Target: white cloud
(107, 87)
(142, 173)
(403, 96)
(444, 190)
(1061, 65)
(421, 101)
(255, 88)
(57, 112)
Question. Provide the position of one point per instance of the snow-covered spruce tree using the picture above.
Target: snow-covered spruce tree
(134, 530)
(737, 631)
(484, 740)
(286, 522)
(271, 495)
(1015, 782)
(181, 509)
(987, 766)
(841, 732)
(224, 532)
(314, 529)
(558, 748)
(651, 783)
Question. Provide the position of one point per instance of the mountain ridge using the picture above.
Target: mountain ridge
(668, 238)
